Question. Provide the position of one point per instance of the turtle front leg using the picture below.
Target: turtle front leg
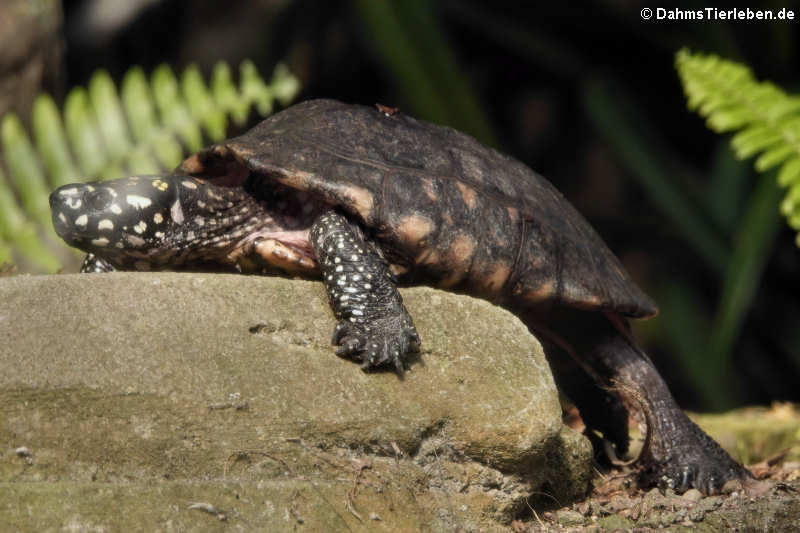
(94, 265)
(374, 327)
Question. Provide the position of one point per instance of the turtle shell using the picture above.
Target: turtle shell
(444, 209)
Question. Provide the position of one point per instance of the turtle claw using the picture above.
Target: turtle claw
(703, 465)
(708, 478)
(682, 478)
(378, 344)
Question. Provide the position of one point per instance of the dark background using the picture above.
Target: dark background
(584, 93)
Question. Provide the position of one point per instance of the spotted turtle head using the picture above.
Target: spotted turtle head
(165, 222)
(131, 213)
(140, 221)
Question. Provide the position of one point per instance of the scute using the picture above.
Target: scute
(353, 154)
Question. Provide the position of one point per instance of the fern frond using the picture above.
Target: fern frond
(146, 127)
(766, 118)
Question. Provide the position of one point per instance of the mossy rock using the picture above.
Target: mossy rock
(201, 402)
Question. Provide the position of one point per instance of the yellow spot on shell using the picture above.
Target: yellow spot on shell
(414, 229)
(161, 185)
(459, 259)
(427, 256)
(467, 194)
(494, 277)
(427, 186)
(362, 200)
(545, 291)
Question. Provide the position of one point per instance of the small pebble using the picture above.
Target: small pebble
(569, 518)
(692, 495)
(25, 453)
(22, 451)
(733, 485)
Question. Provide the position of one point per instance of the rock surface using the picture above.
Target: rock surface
(179, 402)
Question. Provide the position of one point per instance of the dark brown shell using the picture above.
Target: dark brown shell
(450, 210)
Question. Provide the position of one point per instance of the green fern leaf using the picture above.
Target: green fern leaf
(766, 117)
(144, 127)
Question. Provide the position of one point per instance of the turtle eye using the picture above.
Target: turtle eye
(99, 199)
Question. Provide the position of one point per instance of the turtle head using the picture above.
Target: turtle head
(155, 222)
(128, 217)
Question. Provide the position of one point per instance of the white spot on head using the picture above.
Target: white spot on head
(199, 221)
(62, 218)
(140, 227)
(68, 192)
(139, 202)
(159, 235)
(114, 208)
(105, 224)
(102, 241)
(189, 184)
(74, 203)
(158, 218)
(82, 220)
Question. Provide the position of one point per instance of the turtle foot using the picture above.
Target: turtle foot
(378, 343)
(694, 460)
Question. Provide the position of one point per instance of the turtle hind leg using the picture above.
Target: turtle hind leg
(374, 326)
(677, 454)
(601, 410)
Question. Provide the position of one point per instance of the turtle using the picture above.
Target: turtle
(369, 199)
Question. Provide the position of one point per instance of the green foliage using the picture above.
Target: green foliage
(146, 127)
(721, 217)
(766, 119)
